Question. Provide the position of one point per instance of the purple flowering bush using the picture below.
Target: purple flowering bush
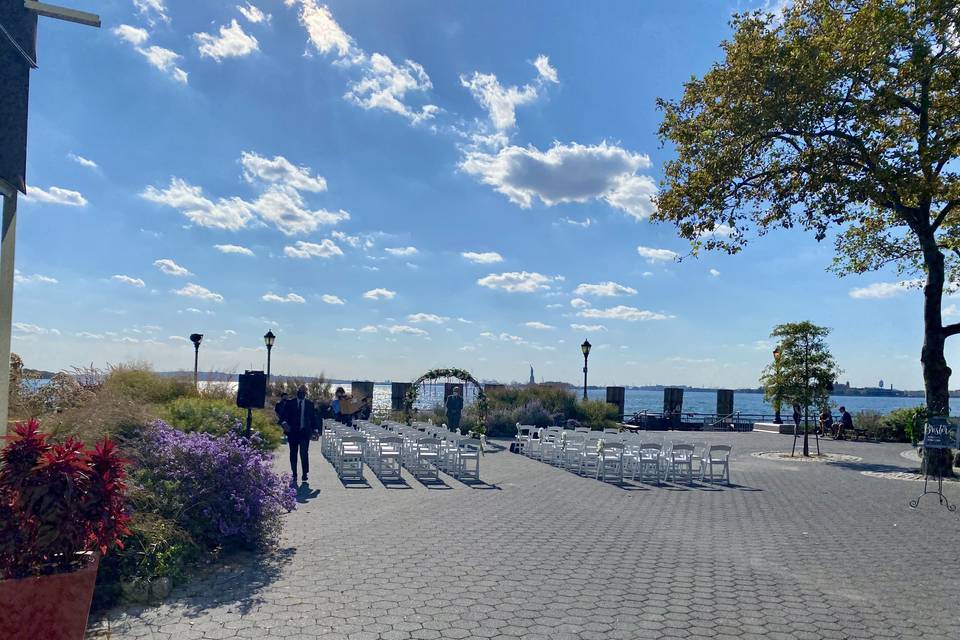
(221, 490)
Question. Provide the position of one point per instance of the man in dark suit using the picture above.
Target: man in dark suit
(299, 421)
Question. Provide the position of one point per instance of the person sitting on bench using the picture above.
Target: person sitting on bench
(846, 423)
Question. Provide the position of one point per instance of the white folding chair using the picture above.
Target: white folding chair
(386, 461)
(717, 456)
(648, 461)
(350, 457)
(681, 459)
(610, 462)
(426, 460)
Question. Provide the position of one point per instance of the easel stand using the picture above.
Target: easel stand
(939, 493)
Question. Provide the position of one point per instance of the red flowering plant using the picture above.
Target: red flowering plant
(58, 501)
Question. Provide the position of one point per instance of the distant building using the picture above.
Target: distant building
(532, 379)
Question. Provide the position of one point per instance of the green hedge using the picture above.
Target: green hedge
(217, 417)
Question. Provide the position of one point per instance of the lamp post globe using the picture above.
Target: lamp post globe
(196, 338)
(268, 340)
(585, 348)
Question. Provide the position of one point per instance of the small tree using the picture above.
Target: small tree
(805, 370)
(841, 117)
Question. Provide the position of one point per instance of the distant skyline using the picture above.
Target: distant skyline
(394, 187)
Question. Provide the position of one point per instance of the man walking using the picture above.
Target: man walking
(299, 422)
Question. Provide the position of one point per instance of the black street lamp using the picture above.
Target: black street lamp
(585, 348)
(195, 338)
(268, 339)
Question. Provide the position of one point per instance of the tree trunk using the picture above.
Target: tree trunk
(936, 373)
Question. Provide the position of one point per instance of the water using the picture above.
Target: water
(693, 401)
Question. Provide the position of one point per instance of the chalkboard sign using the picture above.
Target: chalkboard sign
(941, 433)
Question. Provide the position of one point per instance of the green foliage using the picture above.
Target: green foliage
(841, 118)
(598, 414)
(460, 374)
(805, 370)
(906, 424)
(554, 399)
(218, 417)
(138, 382)
(873, 423)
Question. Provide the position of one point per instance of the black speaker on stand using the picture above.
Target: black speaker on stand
(251, 393)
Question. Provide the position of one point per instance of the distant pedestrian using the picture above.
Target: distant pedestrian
(299, 422)
(338, 395)
(846, 422)
(454, 406)
(797, 414)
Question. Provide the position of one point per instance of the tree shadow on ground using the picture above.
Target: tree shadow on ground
(873, 466)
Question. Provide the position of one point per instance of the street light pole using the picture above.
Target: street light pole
(585, 348)
(195, 338)
(777, 399)
(268, 339)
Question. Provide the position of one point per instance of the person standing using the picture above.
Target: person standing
(797, 414)
(299, 423)
(454, 406)
(338, 396)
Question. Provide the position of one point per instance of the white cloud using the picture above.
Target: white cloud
(178, 339)
(233, 248)
(152, 10)
(380, 294)
(501, 102)
(165, 60)
(171, 268)
(83, 162)
(487, 257)
(290, 297)
(36, 278)
(402, 251)
(604, 289)
(464, 321)
(622, 312)
(540, 326)
(331, 299)
(714, 273)
(951, 311)
(136, 282)
(133, 35)
(589, 328)
(585, 223)
(405, 329)
(231, 214)
(718, 231)
(579, 303)
(24, 327)
(280, 170)
(432, 318)
(369, 329)
(657, 255)
(253, 13)
(879, 290)
(383, 84)
(516, 281)
(232, 42)
(325, 249)
(323, 31)
(56, 195)
(545, 69)
(196, 291)
(346, 330)
(567, 173)
(88, 335)
(285, 209)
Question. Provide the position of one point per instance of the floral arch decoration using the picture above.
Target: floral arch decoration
(436, 374)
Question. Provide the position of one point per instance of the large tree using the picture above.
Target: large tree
(803, 370)
(841, 117)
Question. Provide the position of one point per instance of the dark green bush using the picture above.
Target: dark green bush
(217, 417)
(598, 414)
(534, 413)
(907, 423)
(501, 423)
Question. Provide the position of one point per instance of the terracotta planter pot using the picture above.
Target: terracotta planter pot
(53, 607)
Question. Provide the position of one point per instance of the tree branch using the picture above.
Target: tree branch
(943, 213)
(950, 330)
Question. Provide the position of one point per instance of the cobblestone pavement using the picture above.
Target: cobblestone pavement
(802, 551)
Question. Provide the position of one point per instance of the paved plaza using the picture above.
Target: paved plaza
(791, 551)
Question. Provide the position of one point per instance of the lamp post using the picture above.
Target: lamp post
(195, 338)
(268, 339)
(585, 348)
(776, 398)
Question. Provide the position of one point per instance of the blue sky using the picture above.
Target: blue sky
(391, 187)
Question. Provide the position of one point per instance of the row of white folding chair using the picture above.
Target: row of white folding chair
(382, 451)
(343, 446)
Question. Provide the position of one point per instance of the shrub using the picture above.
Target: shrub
(139, 383)
(502, 423)
(220, 417)
(533, 412)
(598, 414)
(907, 423)
(105, 414)
(872, 421)
(57, 501)
(220, 490)
(554, 399)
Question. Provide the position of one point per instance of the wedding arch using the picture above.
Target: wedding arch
(441, 374)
